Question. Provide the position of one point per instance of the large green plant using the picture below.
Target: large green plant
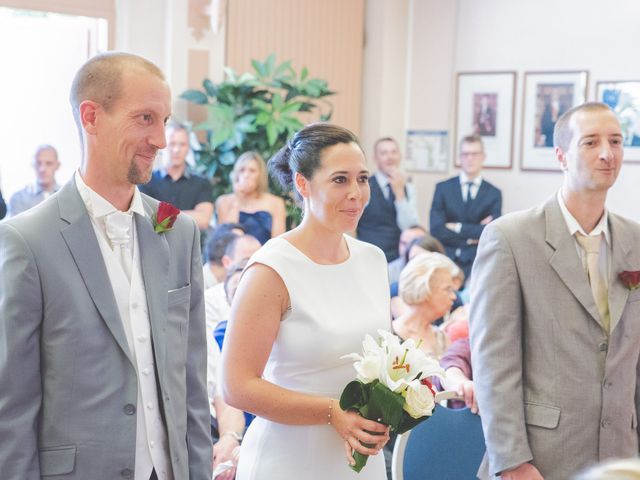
(258, 110)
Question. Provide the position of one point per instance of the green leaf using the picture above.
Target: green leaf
(227, 158)
(209, 87)
(385, 405)
(272, 134)
(303, 74)
(354, 395)
(259, 68)
(277, 101)
(291, 107)
(195, 96)
(270, 63)
(282, 68)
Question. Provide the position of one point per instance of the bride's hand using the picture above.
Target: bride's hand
(355, 429)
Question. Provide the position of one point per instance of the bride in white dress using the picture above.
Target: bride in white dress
(307, 298)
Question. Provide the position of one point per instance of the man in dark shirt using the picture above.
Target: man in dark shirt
(179, 186)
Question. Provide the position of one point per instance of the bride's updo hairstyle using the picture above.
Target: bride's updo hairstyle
(302, 153)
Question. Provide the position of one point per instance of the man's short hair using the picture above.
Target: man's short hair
(383, 139)
(43, 148)
(562, 134)
(219, 239)
(474, 138)
(100, 80)
(174, 126)
(230, 250)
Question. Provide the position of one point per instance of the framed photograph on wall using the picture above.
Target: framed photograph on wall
(624, 98)
(484, 106)
(427, 151)
(547, 95)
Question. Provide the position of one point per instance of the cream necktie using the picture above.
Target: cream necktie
(591, 246)
(118, 229)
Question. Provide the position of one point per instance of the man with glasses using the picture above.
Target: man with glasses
(463, 205)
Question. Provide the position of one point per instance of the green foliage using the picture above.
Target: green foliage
(258, 111)
(376, 402)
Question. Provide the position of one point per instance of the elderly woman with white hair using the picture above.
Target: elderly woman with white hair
(427, 287)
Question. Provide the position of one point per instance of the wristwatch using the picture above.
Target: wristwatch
(237, 435)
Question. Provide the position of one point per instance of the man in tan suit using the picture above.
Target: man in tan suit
(555, 333)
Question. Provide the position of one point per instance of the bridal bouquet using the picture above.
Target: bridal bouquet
(392, 385)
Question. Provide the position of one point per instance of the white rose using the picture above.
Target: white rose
(419, 400)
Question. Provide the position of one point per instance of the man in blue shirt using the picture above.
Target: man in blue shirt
(45, 163)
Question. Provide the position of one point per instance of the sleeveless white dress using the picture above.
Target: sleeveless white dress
(332, 308)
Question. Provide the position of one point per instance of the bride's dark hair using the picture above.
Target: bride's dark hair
(302, 153)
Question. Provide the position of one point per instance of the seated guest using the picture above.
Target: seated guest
(425, 243)
(262, 214)
(230, 286)
(217, 307)
(456, 362)
(392, 205)
(407, 235)
(426, 287)
(177, 184)
(3, 207)
(45, 163)
(227, 423)
(213, 270)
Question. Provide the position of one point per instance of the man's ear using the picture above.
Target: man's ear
(89, 116)
(226, 262)
(301, 184)
(561, 157)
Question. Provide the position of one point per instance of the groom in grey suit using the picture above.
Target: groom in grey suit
(555, 333)
(102, 331)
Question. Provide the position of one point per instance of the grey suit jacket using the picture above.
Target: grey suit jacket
(552, 387)
(68, 383)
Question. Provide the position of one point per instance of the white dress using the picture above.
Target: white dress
(332, 308)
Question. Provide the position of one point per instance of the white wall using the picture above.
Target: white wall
(466, 35)
(159, 30)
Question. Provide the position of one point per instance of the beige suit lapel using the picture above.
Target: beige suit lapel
(620, 249)
(83, 245)
(565, 260)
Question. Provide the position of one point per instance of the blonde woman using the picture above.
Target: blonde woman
(261, 213)
(427, 288)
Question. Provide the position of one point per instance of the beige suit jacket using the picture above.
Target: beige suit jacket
(552, 386)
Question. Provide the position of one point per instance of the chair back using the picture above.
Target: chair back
(448, 446)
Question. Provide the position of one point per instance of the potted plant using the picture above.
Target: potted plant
(260, 111)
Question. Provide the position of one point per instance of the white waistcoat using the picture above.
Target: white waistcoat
(152, 447)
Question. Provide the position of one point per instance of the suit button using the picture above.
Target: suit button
(126, 473)
(129, 409)
(603, 346)
(604, 423)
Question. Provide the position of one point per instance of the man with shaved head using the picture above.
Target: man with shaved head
(555, 320)
(102, 332)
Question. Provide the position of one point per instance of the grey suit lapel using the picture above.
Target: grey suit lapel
(154, 260)
(565, 260)
(83, 245)
(620, 248)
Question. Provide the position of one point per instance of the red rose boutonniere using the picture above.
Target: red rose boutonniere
(165, 217)
(631, 279)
